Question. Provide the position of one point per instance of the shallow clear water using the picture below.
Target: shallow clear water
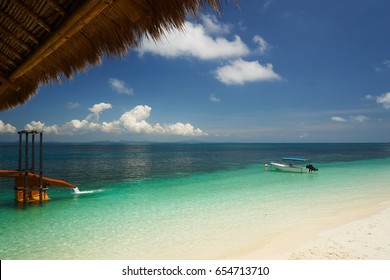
(169, 201)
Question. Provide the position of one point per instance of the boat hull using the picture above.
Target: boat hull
(289, 168)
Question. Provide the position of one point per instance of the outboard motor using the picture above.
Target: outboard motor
(311, 168)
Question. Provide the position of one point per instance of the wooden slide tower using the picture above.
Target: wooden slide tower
(30, 184)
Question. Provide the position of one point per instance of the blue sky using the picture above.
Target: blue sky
(268, 71)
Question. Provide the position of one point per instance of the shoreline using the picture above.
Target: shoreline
(352, 235)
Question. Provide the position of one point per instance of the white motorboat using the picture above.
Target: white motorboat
(297, 165)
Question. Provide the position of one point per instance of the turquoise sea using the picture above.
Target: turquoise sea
(183, 201)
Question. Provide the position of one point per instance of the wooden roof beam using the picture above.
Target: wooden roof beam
(57, 7)
(84, 14)
(4, 66)
(10, 50)
(12, 36)
(8, 83)
(19, 27)
(7, 59)
(33, 15)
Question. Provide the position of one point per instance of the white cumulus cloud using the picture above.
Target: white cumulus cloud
(183, 129)
(40, 126)
(195, 41)
(132, 121)
(384, 99)
(135, 120)
(213, 26)
(98, 108)
(7, 128)
(208, 41)
(241, 71)
(35, 125)
(120, 86)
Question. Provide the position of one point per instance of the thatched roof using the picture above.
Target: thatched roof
(41, 40)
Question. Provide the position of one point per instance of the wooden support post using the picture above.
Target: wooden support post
(20, 152)
(19, 164)
(41, 190)
(23, 184)
(26, 189)
(33, 152)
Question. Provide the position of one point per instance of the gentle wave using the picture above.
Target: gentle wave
(77, 191)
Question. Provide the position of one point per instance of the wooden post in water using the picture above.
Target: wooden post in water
(42, 191)
(26, 188)
(19, 164)
(20, 151)
(33, 151)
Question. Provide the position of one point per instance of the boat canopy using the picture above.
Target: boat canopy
(295, 159)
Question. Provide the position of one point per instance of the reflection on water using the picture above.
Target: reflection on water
(87, 164)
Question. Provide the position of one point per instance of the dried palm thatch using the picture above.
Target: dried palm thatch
(43, 39)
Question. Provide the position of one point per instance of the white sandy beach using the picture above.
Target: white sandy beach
(367, 239)
(364, 234)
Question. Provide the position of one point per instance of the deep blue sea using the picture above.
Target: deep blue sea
(182, 201)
